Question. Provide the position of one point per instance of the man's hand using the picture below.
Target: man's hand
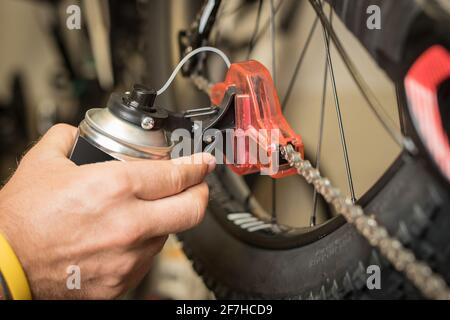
(108, 218)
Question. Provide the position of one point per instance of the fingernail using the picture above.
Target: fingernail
(211, 161)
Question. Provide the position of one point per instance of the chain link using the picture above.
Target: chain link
(431, 285)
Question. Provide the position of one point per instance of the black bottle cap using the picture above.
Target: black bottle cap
(137, 106)
(141, 97)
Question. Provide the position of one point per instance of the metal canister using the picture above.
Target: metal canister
(129, 128)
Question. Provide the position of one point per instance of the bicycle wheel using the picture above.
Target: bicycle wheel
(241, 252)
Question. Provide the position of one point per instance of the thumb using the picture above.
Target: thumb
(57, 141)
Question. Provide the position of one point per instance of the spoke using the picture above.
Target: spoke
(299, 64)
(400, 107)
(313, 219)
(363, 87)
(274, 200)
(255, 32)
(339, 117)
(274, 76)
(266, 25)
(273, 43)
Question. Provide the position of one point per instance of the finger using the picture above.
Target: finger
(162, 178)
(57, 142)
(172, 214)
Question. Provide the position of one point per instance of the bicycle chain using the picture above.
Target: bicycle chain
(431, 284)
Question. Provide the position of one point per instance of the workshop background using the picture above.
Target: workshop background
(50, 74)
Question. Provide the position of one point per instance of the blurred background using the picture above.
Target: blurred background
(51, 74)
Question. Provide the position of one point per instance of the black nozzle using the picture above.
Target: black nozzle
(136, 106)
(141, 97)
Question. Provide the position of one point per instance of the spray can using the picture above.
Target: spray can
(129, 128)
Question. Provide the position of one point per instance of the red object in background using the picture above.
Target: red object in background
(422, 83)
(259, 121)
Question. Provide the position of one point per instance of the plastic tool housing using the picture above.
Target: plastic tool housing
(259, 121)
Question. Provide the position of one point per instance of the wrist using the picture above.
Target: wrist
(14, 284)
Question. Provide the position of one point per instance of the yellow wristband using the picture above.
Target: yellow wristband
(13, 273)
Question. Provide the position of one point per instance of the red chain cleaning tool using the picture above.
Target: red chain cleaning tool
(259, 121)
